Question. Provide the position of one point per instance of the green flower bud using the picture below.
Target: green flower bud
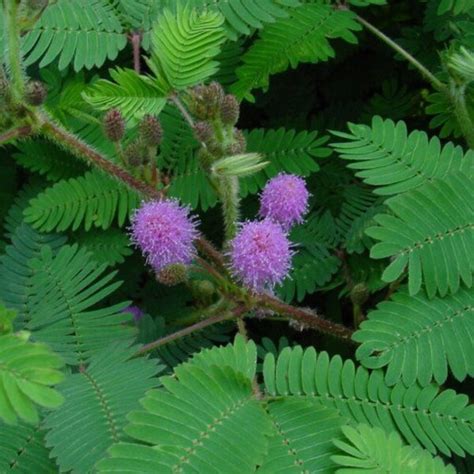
(136, 154)
(35, 93)
(205, 101)
(204, 132)
(114, 125)
(230, 110)
(359, 293)
(173, 275)
(239, 165)
(151, 131)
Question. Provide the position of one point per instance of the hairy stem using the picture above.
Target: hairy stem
(457, 94)
(425, 72)
(77, 147)
(136, 40)
(229, 197)
(188, 330)
(14, 49)
(18, 132)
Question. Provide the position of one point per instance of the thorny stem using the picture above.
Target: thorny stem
(189, 330)
(437, 84)
(15, 133)
(14, 49)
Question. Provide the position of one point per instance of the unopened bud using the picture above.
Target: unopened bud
(359, 293)
(151, 131)
(239, 138)
(35, 93)
(173, 275)
(135, 154)
(114, 125)
(230, 110)
(203, 131)
(205, 101)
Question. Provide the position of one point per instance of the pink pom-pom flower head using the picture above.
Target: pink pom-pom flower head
(285, 200)
(260, 255)
(164, 232)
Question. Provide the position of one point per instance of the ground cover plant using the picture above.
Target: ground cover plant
(236, 236)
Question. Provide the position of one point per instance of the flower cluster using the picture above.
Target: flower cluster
(165, 233)
(261, 252)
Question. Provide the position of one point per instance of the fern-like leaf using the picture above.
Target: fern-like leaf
(93, 200)
(386, 156)
(431, 233)
(418, 338)
(371, 450)
(65, 289)
(300, 38)
(205, 407)
(456, 7)
(184, 45)
(27, 373)
(436, 420)
(84, 34)
(133, 94)
(23, 451)
(97, 400)
(286, 150)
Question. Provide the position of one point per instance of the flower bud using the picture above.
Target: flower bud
(203, 131)
(230, 110)
(35, 93)
(173, 275)
(114, 125)
(151, 131)
(359, 293)
(239, 138)
(205, 101)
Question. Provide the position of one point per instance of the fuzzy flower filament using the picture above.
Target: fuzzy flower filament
(164, 232)
(285, 200)
(260, 255)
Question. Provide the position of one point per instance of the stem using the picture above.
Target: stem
(306, 317)
(15, 133)
(184, 332)
(14, 50)
(457, 95)
(229, 196)
(136, 39)
(186, 115)
(77, 147)
(437, 84)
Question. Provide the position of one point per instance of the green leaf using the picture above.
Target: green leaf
(438, 420)
(184, 45)
(371, 450)
(82, 34)
(93, 200)
(133, 94)
(387, 157)
(303, 37)
(417, 338)
(97, 401)
(431, 228)
(27, 372)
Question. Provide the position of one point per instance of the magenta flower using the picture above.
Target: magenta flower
(260, 255)
(165, 233)
(285, 200)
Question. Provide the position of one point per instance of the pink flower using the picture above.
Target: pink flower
(285, 200)
(165, 233)
(260, 255)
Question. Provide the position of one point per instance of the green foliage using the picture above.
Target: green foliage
(92, 200)
(455, 6)
(393, 161)
(300, 38)
(133, 94)
(286, 150)
(439, 421)
(23, 450)
(184, 45)
(97, 400)
(430, 232)
(371, 449)
(78, 33)
(27, 373)
(64, 289)
(418, 338)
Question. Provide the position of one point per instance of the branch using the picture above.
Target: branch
(306, 317)
(189, 330)
(18, 132)
(437, 84)
(135, 39)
